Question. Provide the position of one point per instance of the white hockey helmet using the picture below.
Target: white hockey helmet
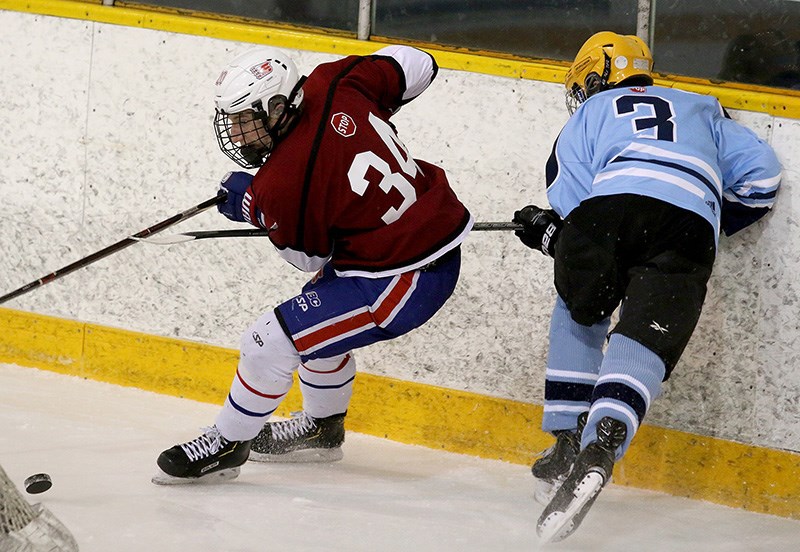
(258, 80)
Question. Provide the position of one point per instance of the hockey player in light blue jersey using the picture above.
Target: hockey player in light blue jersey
(641, 180)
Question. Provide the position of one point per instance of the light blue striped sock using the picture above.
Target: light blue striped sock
(573, 361)
(629, 380)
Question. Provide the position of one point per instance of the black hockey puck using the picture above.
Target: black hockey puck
(38, 483)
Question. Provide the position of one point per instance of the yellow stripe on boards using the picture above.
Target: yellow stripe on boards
(41, 341)
(737, 475)
(724, 472)
(777, 102)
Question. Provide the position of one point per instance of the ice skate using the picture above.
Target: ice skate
(300, 439)
(208, 459)
(555, 463)
(592, 470)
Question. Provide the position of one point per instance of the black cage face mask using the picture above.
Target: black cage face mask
(249, 140)
(592, 84)
(247, 143)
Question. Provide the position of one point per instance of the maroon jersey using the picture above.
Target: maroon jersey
(342, 186)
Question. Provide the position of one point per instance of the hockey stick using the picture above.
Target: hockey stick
(171, 239)
(119, 246)
(495, 226)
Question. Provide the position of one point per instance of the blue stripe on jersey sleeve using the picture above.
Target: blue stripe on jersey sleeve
(755, 195)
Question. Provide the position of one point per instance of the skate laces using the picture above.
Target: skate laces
(611, 433)
(207, 444)
(297, 426)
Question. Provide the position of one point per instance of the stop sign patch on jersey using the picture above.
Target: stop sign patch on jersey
(343, 124)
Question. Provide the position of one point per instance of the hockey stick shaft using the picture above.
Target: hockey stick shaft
(494, 226)
(257, 232)
(111, 249)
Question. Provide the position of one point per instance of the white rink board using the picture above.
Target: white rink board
(99, 443)
(108, 131)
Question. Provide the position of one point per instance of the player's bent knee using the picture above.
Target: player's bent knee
(588, 317)
(264, 344)
(667, 353)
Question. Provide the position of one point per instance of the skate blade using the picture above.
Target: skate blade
(221, 476)
(560, 524)
(299, 456)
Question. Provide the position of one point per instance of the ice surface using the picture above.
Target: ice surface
(99, 443)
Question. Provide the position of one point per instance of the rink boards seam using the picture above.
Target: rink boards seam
(780, 103)
(743, 476)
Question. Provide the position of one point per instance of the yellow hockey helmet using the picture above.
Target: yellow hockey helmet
(605, 60)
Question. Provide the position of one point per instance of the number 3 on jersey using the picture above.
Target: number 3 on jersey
(654, 116)
(364, 160)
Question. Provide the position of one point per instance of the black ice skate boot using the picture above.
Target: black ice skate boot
(555, 463)
(592, 470)
(300, 439)
(208, 459)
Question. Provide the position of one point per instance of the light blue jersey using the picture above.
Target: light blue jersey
(668, 144)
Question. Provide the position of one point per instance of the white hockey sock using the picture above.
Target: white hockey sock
(327, 385)
(266, 363)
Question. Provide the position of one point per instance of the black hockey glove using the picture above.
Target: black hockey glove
(540, 228)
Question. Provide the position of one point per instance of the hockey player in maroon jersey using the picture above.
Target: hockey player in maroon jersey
(341, 196)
